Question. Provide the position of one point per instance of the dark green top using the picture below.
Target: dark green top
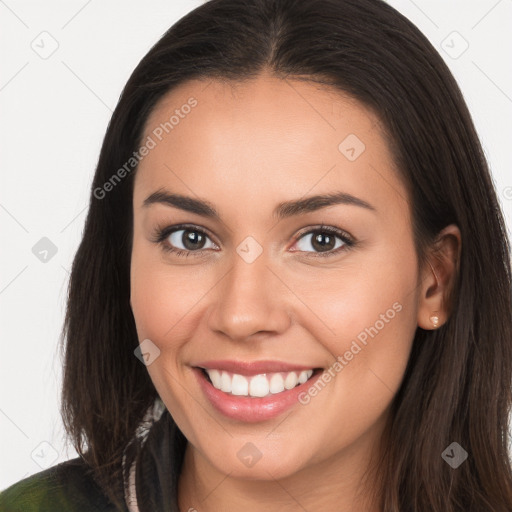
(66, 487)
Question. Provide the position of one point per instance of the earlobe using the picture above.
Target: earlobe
(438, 279)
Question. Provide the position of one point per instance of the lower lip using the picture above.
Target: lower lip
(252, 409)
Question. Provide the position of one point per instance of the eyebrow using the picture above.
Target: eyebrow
(283, 210)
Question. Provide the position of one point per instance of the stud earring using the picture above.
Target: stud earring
(435, 320)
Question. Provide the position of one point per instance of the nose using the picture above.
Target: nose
(249, 300)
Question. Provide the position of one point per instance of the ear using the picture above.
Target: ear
(438, 279)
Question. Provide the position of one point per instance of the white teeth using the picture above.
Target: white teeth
(225, 382)
(258, 385)
(276, 383)
(239, 385)
(303, 377)
(216, 378)
(291, 380)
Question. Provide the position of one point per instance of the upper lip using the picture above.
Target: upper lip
(252, 367)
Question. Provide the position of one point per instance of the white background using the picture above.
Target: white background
(53, 115)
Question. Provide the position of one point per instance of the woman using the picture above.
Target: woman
(295, 269)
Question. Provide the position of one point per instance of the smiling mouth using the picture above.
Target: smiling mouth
(260, 385)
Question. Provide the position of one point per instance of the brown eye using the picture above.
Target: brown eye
(189, 239)
(323, 241)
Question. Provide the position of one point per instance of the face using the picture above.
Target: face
(241, 280)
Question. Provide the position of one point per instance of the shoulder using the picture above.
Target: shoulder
(66, 486)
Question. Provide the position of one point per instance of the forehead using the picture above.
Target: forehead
(267, 104)
(265, 138)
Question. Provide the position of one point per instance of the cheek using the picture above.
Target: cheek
(352, 299)
(369, 308)
(163, 303)
(368, 317)
(368, 322)
(161, 296)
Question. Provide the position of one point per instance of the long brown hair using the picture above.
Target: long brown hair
(458, 383)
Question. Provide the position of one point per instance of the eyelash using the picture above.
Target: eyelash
(161, 234)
